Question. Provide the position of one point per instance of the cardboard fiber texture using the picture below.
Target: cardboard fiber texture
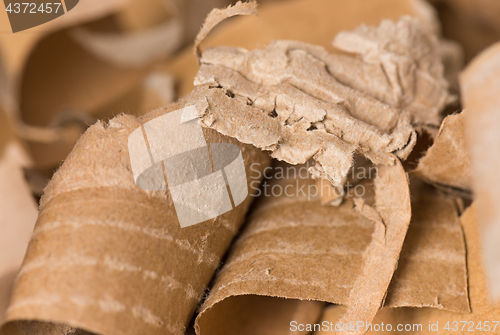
(111, 258)
(447, 161)
(480, 89)
(293, 247)
(306, 21)
(482, 308)
(310, 112)
(242, 76)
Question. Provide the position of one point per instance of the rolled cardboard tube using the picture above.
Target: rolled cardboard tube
(111, 258)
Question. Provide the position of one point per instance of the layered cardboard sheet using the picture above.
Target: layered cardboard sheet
(109, 258)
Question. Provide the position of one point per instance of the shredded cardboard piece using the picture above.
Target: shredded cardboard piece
(392, 203)
(293, 247)
(432, 270)
(480, 89)
(301, 117)
(301, 110)
(482, 308)
(403, 58)
(111, 258)
(218, 15)
(447, 161)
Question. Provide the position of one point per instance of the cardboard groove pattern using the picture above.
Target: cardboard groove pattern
(125, 266)
(304, 250)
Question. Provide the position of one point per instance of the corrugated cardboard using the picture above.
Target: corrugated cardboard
(458, 323)
(111, 258)
(447, 161)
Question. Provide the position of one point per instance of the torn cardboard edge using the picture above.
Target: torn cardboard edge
(285, 236)
(446, 163)
(279, 82)
(216, 16)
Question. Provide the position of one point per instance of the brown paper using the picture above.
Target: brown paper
(218, 15)
(298, 20)
(304, 103)
(391, 216)
(111, 258)
(447, 161)
(404, 60)
(293, 247)
(481, 97)
(482, 308)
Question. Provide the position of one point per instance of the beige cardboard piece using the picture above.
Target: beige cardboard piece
(480, 87)
(293, 247)
(304, 21)
(111, 258)
(18, 212)
(482, 308)
(316, 107)
(447, 161)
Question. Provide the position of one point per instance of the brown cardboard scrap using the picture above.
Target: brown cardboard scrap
(403, 58)
(432, 270)
(484, 312)
(480, 89)
(111, 258)
(18, 213)
(309, 113)
(297, 20)
(392, 204)
(293, 247)
(447, 161)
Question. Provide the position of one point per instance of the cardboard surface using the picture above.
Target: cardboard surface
(480, 89)
(111, 258)
(481, 306)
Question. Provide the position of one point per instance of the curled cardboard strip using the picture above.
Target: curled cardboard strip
(480, 87)
(111, 258)
(293, 247)
(482, 308)
(218, 15)
(403, 59)
(391, 215)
